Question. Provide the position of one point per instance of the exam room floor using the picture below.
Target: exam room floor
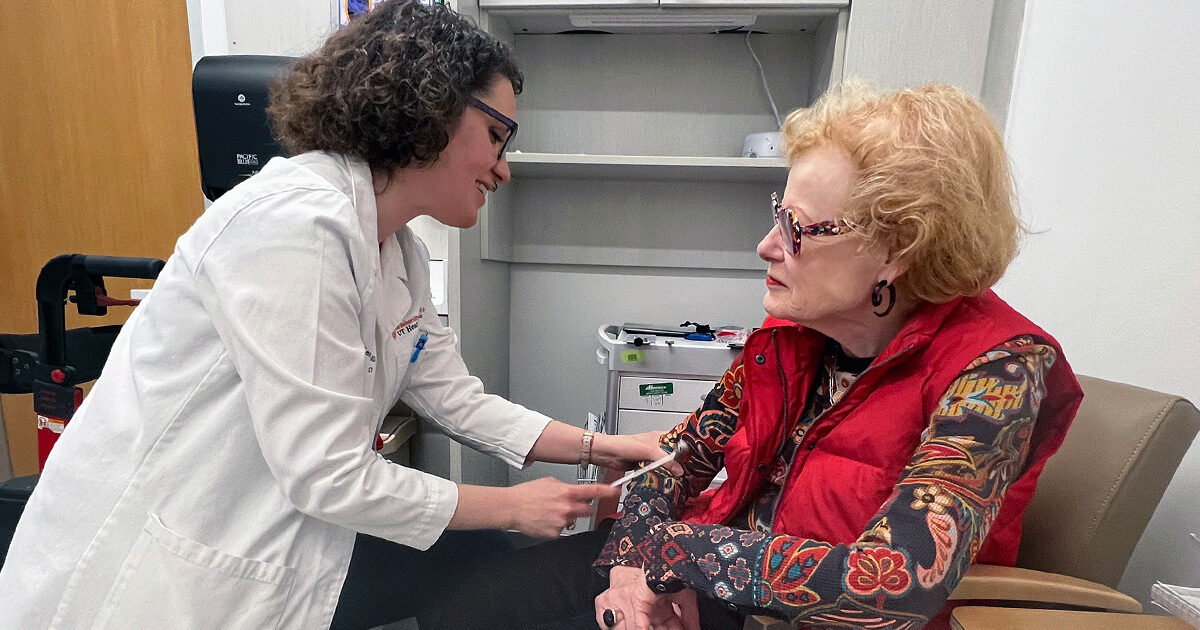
(519, 540)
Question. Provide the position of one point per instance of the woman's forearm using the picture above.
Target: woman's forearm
(540, 508)
(562, 443)
(559, 443)
(483, 507)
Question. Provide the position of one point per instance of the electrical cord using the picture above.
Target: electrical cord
(763, 75)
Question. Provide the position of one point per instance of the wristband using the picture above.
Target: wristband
(585, 450)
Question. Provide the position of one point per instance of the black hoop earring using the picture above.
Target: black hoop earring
(877, 297)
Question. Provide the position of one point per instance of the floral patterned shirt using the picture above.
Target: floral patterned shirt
(901, 570)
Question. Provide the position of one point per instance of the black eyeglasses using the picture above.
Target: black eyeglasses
(508, 123)
(789, 227)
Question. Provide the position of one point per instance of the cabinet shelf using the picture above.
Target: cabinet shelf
(646, 168)
(642, 257)
(623, 222)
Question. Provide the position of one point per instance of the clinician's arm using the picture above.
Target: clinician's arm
(539, 508)
(440, 388)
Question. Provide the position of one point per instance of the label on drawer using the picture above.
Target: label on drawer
(662, 393)
(656, 389)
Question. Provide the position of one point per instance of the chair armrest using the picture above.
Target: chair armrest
(987, 618)
(763, 622)
(992, 582)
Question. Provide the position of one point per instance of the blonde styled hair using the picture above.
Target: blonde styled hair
(933, 187)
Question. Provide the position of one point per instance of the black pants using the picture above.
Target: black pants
(549, 586)
(388, 582)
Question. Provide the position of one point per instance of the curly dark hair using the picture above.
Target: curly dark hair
(390, 87)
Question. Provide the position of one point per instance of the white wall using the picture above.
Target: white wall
(259, 27)
(279, 27)
(206, 27)
(262, 27)
(1103, 130)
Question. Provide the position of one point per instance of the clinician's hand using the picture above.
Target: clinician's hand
(627, 452)
(543, 507)
(636, 607)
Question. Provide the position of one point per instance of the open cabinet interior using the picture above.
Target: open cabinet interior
(632, 136)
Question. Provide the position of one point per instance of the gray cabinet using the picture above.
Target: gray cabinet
(632, 126)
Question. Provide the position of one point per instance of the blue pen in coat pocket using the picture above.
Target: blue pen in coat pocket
(419, 347)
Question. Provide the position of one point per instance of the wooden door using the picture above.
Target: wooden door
(97, 152)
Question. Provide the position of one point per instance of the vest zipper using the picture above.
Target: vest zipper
(783, 421)
(782, 376)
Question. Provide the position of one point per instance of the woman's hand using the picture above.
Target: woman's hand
(543, 507)
(636, 607)
(626, 452)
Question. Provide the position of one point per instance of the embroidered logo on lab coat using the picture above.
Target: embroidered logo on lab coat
(408, 325)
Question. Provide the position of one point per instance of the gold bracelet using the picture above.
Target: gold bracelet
(585, 449)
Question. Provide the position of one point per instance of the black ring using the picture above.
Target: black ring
(610, 618)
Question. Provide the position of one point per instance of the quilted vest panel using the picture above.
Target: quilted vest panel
(846, 469)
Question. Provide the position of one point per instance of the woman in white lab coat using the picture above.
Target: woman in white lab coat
(218, 472)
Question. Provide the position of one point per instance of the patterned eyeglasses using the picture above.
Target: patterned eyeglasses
(791, 230)
(509, 124)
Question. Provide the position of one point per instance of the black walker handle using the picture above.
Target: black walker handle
(84, 274)
(121, 266)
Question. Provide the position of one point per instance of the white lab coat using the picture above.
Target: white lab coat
(218, 471)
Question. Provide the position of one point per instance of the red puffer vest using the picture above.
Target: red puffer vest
(851, 459)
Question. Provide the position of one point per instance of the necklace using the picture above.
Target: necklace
(840, 380)
(835, 392)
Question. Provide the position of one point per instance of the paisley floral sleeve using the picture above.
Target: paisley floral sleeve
(902, 569)
(656, 497)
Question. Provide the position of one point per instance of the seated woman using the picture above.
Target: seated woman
(882, 431)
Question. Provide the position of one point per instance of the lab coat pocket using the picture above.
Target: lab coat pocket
(169, 581)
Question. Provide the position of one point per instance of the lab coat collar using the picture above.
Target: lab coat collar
(358, 185)
(362, 193)
(352, 177)
(391, 255)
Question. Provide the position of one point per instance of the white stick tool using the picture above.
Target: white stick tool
(651, 466)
